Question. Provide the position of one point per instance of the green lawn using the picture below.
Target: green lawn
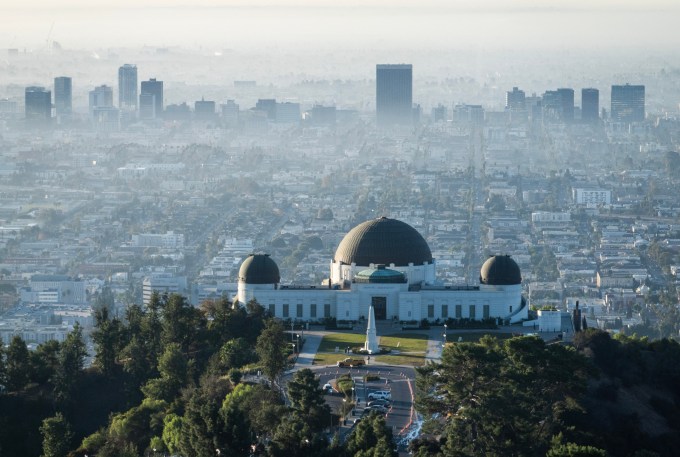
(411, 348)
(473, 337)
(405, 342)
(341, 341)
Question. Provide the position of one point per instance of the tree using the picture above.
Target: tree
(173, 369)
(371, 438)
(71, 360)
(505, 398)
(18, 365)
(575, 450)
(108, 338)
(45, 361)
(236, 353)
(307, 399)
(57, 436)
(293, 438)
(270, 349)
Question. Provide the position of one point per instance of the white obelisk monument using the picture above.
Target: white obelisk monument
(371, 344)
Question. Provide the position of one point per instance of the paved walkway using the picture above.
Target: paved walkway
(309, 349)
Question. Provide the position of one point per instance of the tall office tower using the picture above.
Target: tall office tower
(567, 101)
(230, 113)
(515, 100)
(440, 113)
(590, 105)
(155, 88)
(147, 106)
(628, 103)
(101, 97)
(267, 105)
(394, 95)
(38, 103)
(63, 96)
(558, 105)
(127, 87)
(204, 110)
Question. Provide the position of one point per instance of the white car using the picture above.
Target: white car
(328, 388)
(380, 395)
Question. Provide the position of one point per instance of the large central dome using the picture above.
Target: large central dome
(383, 241)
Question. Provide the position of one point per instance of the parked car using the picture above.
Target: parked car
(380, 395)
(377, 408)
(328, 388)
(385, 403)
(351, 363)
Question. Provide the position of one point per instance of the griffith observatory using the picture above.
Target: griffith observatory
(388, 264)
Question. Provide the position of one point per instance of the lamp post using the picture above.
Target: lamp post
(298, 342)
(445, 330)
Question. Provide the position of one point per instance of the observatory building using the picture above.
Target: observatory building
(388, 264)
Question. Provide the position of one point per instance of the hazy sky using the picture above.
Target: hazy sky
(352, 23)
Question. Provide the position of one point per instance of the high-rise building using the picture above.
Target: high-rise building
(204, 110)
(127, 87)
(288, 113)
(394, 95)
(267, 105)
(515, 100)
(558, 105)
(155, 88)
(567, 101)
(101, 97)
(38, 104)
(230, 113)
(147, 106)
(628, 103)
(63, 96)
(590, 105)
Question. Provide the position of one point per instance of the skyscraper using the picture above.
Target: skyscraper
(38, 104)
(155, 89)
(567, 101)
(100, 97)
(515, 100)
(590, 105)
(63, 96)
(628, 103)
(127, 87)
(394, 95)
(558, 105)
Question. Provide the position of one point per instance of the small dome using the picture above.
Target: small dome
(383, 241)
(380, 275)
(259, 269)
(500, 270)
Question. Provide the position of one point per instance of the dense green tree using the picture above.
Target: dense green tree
(18, 365)
(505, 398)
(57, 436)
(236, 353)
(45, 361)
(237, 432)
(271, 349)
(307, 399)
(173, 369)
(109, 338)
(371, 438)
(71, 360)
(202, 427)
(138, 424)
(575, 450)
(294, 438)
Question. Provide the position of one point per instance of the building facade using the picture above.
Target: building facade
(127, 87)
(63, 96)
(394, 95)
(38, 105)
(628, 103)
(386, 264)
